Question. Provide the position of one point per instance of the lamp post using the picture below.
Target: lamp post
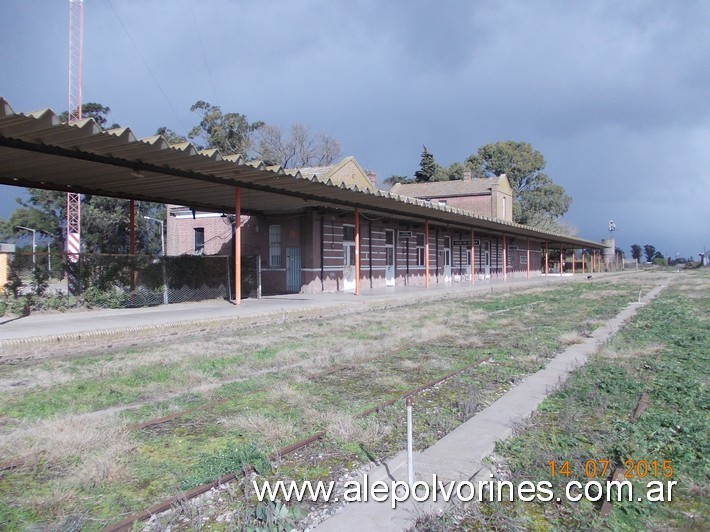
(612, 228)
(162, 253)
(34, 241)
(162, 234)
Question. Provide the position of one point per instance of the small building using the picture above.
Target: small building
(491, 197)
(5, 251)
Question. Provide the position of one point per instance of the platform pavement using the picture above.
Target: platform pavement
(75, 325)
(459, 456)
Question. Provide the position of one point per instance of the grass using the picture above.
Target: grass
(665, 351)
(281, 383)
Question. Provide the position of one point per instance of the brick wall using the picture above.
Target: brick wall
(318, 238)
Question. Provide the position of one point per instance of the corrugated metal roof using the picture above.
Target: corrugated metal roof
(37, 150)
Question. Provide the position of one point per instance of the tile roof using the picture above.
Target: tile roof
(437, 189)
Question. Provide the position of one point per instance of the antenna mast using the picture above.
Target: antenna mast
(76, 22)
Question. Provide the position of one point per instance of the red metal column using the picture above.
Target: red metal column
(505, 259)
(237, 246)
(528, 258)
(132, 242)
(574, 260)
(562, 259)
(357, 252)
(426, 253)
(547, 260)
(473, 258)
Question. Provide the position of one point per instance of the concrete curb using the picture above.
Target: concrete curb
(459, 455)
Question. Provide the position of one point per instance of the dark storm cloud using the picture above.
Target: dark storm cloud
(613, 93)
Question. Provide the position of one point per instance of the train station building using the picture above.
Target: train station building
(308, 230)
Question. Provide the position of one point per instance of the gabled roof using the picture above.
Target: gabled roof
(447, 189)
(37, 150)
(347, 172)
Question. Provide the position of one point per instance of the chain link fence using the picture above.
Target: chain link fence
(124, 281)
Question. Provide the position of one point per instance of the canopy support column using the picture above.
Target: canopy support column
(528, 258)
(237, 246)
(473, 257)
(132, 242)
(426, 253)
(357, 252)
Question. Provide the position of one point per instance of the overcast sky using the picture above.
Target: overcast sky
(616, 95)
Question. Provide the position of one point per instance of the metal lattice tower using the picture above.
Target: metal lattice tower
(76, 22)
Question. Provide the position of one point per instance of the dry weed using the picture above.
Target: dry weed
(107, 465)
(570, 338)
(389, 382)
(52, 442)
(57, 501)
(653, 348)
(342, 426)
(284, 393)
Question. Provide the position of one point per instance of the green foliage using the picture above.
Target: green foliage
(40, 281)
(170, 136)
(636, 251)
(229, 133)
(275, 516)
(427, 167)
(93, 110)
(453, 172)
(651, 253)
(659, 261)
(95, 297)
(14, 282)
(536, 196)
(394, 179)
(230, 459)
(665, 353)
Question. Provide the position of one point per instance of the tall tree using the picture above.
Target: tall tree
(297, 149)
(636, 251)
(394, 179)
(536, 196)
(651, 253)
(230, 133)
(93, 110)
(170, 136)
(427, 167)
(104, 221)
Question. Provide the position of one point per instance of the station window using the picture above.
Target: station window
(420, 250)
(199, 240)
(274, 246)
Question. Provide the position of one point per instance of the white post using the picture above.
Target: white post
(410, 459)
(162, 256)
(34, 242)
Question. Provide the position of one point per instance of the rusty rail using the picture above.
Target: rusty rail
(128, 522)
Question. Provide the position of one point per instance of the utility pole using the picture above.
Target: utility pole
(34, 243)
(76, 22)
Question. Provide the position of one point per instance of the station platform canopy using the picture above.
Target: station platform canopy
(38, 150)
